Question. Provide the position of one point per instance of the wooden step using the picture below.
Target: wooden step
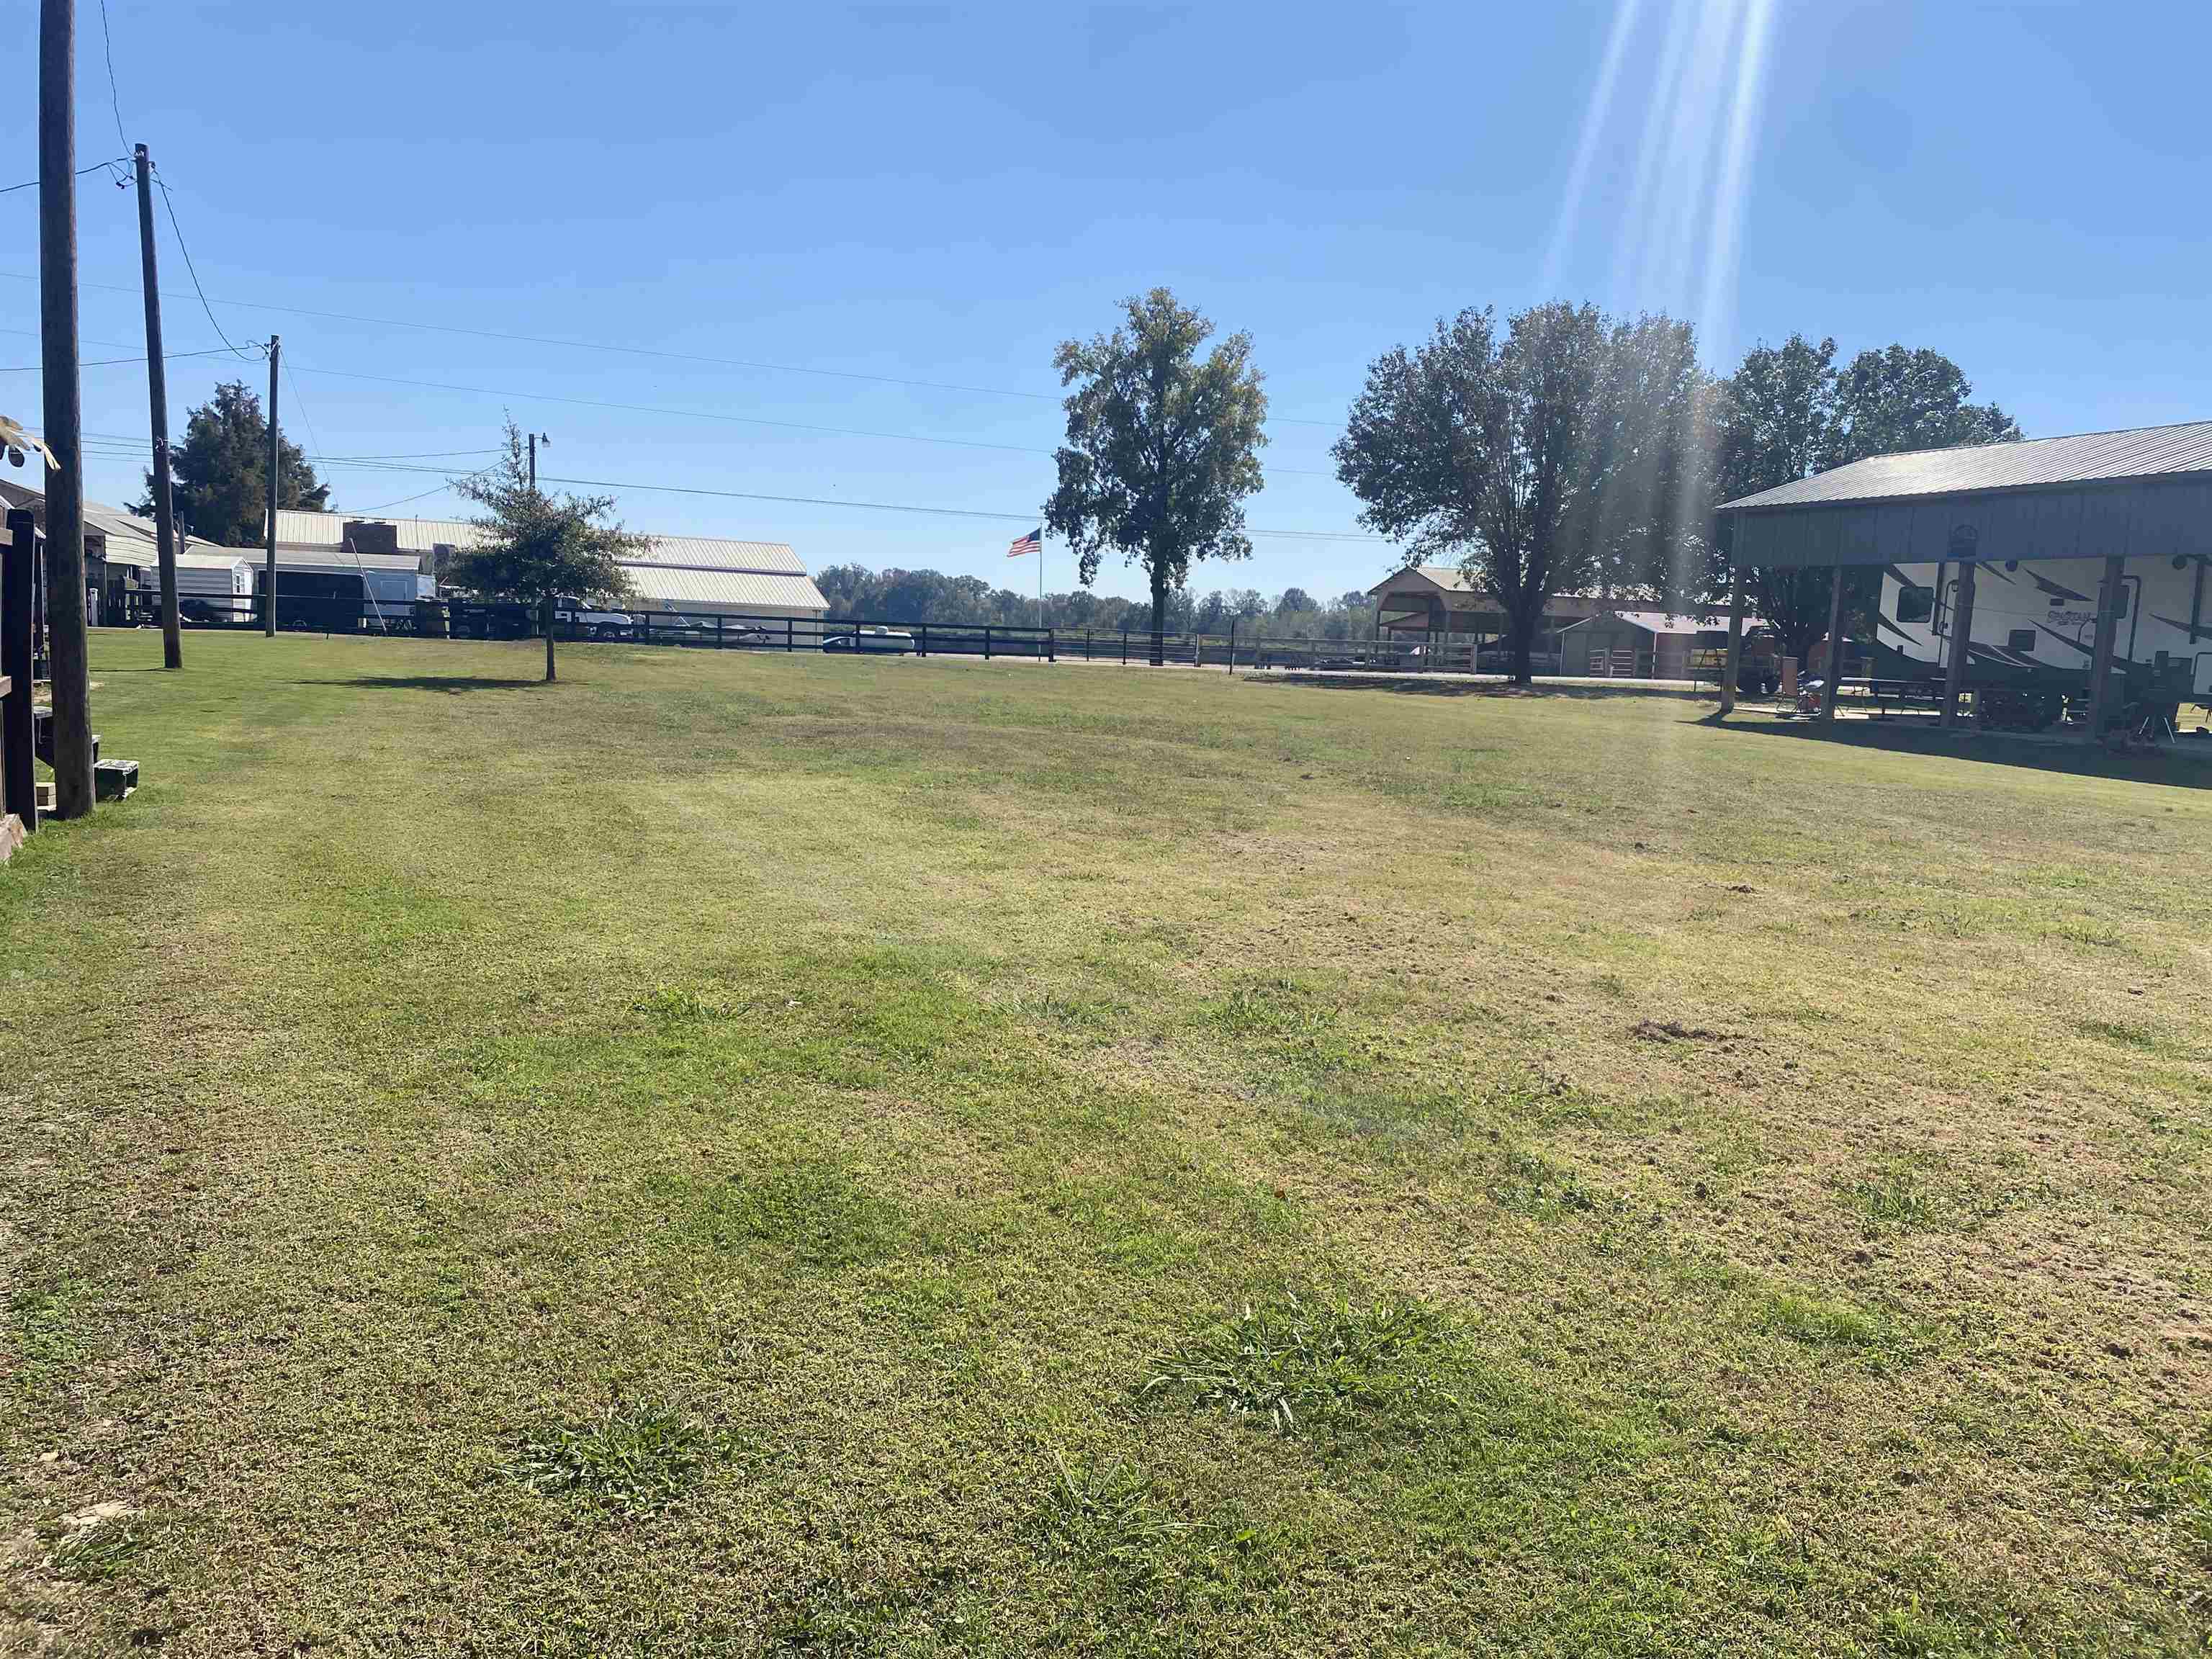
(114, 780)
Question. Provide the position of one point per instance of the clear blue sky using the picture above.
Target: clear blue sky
(942, 194)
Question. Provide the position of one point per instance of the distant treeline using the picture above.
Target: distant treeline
(931, 596)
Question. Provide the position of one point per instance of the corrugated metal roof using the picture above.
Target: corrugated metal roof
(1446, 576)
(719, 553)
(676, 585)
(297, 529)
(2085, 457)
(130, 539)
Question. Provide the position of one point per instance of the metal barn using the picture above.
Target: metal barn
(2069, 570)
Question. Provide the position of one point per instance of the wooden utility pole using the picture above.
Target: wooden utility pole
(269, 601)
(64, 407)
(157, 393)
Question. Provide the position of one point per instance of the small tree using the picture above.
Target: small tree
(1534, 459)
(538, 549)
(218, 476)
(1162, 448)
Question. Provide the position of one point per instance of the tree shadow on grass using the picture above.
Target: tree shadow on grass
(2187, 765)
(453, 685)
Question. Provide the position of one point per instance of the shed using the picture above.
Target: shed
(1647, 644)
(1438, 600)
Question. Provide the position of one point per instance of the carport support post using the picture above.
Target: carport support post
(18, 790)
(1962, 636)
(1835, 646)
(2108, 627)
(1733, 660)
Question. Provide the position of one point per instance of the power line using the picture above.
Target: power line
(904, 506)
(705, 414)
(692, 414)
(114, 98)
(108, 363)
(640, 351)
(33, 184)
(621, 487)
(169, 204)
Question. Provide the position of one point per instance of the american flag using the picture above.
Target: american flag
(1032, 543)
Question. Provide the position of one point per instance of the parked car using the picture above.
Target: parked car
(895, 640)
(1499, 659)
(592, 624)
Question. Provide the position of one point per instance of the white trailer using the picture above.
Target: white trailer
(2034, 623)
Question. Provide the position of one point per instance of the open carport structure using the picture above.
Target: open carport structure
(2082, 533)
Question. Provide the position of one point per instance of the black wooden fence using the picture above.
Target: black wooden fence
(726, 631)
(862, 635)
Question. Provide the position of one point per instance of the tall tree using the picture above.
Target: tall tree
(537, 549)
(1777, 423)
(1535, 459)
(1162, 446)
(1789, 412)
(1895, 400)
(219, 474)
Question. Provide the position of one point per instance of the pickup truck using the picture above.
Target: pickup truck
(592, 624)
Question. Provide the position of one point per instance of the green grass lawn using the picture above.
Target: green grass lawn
(730, 1154)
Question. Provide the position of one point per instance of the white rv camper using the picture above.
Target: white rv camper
(2013, 572)
(2034, 625)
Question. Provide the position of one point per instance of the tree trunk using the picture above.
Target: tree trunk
(1520, 638)
(1159, 615)
(545, 612)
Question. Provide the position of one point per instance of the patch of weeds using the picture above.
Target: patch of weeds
(1894, 1198)
(2122, 1033)
(2172, 1482)
(1818, 1323)
(1296, 1365)
(814, 1207)
(835, 1616)
(101, 1551)
(1103, 1519)
(1531, 1186)
(1912, 1630)
(638, 1459)
(670, 1006)
(1268, 1007)
(43, 1318)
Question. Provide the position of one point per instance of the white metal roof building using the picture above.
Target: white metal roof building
(703, 574)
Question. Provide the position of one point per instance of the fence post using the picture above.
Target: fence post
(986, 642)
(1125, 648)
(1051, 647)
(718, 630)
(1233, 645)
(787, 627)
(921, 645)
